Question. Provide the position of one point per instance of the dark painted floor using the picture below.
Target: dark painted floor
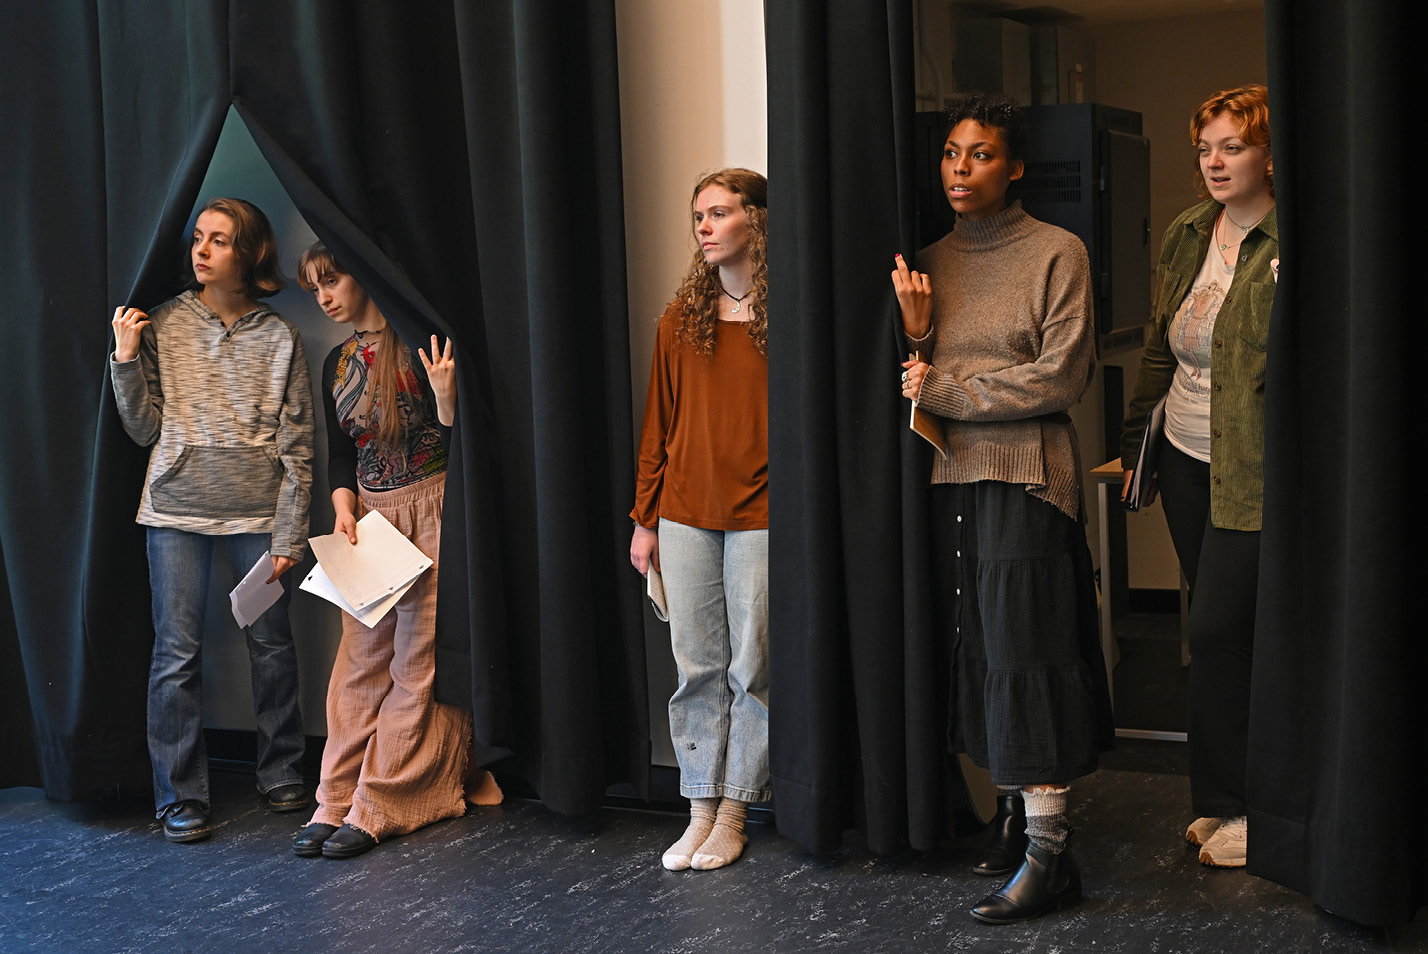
(520, 878)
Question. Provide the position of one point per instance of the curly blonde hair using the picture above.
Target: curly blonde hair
(699, 293)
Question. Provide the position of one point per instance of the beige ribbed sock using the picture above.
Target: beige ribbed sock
(726, 842)
(679, 855)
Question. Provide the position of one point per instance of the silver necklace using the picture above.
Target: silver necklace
(738, 302)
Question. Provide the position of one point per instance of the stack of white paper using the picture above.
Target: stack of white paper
(367, 579)
(254, 594)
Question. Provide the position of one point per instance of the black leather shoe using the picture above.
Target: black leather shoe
(1043, 883)
(186, 821)
(308, 843)
(1007, 845)
(347, 842)
(287, 798)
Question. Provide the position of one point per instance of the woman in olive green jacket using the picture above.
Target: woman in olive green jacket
(1205, 357)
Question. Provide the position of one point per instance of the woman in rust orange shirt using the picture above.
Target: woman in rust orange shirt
(701, 514)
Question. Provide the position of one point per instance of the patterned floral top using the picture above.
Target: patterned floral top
(353, 456)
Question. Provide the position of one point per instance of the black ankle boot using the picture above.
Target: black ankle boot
(1043, 883)
(1007, 845)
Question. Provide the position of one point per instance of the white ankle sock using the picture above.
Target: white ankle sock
(702, 812)
(726, 841)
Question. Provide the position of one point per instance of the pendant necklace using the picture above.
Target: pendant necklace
(738, 302)
(1244, 229)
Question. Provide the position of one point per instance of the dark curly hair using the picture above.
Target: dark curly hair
(992, 110)
(699, 294)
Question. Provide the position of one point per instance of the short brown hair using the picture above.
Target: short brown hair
(1248, 106)
(254, 244)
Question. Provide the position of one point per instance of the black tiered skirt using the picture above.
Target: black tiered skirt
(1028, 697)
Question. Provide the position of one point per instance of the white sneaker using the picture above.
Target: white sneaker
(1201, 829)
(1226, 847)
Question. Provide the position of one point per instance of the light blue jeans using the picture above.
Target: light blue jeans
(717, 585)
(179, 566)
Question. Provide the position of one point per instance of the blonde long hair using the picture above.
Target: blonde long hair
(698, 295)
(390, 370)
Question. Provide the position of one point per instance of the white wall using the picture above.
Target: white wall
(692, 100)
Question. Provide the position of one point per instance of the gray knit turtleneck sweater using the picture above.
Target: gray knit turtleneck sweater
(1012, 347)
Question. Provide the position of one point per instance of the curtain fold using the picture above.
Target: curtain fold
(96, 185)
(463, 160)
(859, 734)
(1337, 739)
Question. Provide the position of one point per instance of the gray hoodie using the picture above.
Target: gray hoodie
(229, 412)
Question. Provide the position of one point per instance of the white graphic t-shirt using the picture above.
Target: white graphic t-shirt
(1187, 409)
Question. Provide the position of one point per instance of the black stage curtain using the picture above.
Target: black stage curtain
(431, 147)
(110, 119)
(858, 686)
(1338, 738)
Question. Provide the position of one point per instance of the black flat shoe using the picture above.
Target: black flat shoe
(308, 843)
(1007, 845)
(185, 822)
(287, 798)
(1043, 883)
(347, 842)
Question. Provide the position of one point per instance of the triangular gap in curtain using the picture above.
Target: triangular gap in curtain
(241, 168)
(238, 169)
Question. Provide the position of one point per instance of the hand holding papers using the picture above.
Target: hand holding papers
(254, 594)
(368, 579)
(924, 425)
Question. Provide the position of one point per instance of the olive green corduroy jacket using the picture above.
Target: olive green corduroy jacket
(1237, 361)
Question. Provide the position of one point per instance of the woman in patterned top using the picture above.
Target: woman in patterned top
(395, 757)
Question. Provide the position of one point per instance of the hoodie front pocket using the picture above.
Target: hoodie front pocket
(225, 483)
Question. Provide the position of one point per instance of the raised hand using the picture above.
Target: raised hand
(441, 372)
(914, 297)
(129, 324)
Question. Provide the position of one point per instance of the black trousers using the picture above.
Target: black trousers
(1222, 567)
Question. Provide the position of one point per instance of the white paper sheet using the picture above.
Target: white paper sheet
(379, 565)
(318, 584)
(654, 589)
(254, 594)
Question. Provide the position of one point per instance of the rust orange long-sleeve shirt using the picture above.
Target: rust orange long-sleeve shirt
(704, 446)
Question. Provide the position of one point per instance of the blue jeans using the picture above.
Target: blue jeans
(179, 566)
(717, 585)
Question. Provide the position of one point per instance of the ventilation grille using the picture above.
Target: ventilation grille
(1046, 182)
